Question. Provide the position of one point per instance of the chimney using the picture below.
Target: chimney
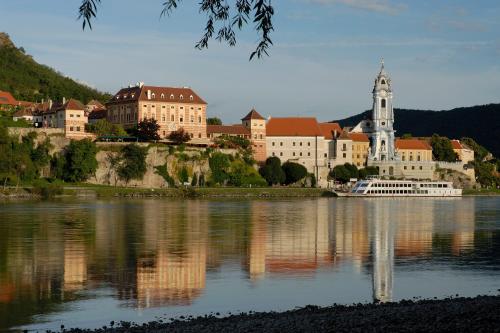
(50, 104)
(141, 84)
(149, 94)
(335, 134)
(64, 100)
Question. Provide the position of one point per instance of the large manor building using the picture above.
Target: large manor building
(173, 108)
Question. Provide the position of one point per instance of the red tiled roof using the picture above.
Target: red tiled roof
(293, 127)
(412, 144)
(359, 137)
(95, 103)
(98, 114)
(328, 130)
(253, 115)
(227, 129)
(157, 94)
(72, 104)
(23, 112)
(6, 98)
(456, 144)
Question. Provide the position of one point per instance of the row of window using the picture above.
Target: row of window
(293, 143)
(390, 185)
(172, 118)
(413, 167)
(74, 129)
(397, 192)
(153, 106)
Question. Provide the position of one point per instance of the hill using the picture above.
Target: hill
(29, 81)
(482, 123)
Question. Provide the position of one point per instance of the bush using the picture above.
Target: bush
(183, 175)
(46, 189)
(340, 173)
(147, 130)
(272, 171)
(163, 171)
(134, 163)
(442, 149)
(194, 181)
(179, 137)
(219, 164)
(79, 161)
(293, 172)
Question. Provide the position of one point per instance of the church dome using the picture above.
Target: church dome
(382, 81)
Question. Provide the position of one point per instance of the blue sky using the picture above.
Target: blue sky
(439, 53)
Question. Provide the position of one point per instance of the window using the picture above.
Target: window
(192, 119)
(383, 103)
(272, 154)
(294, 143)
(281, 143)
(199, 135)
(272, 144)
(71, 128)
(181, 97)
(163, 107)
(261, 137)
(293, 154)
(326, 155)
(383, 81)
(308, 154)
(181, 119)
(171, 96)
(281, 153)
(344, 155)
(71, 115)
(191, 97)
(172, 118)
(199, 120)
(300, 154)
(421, 168)
(300, 144)
(163, 118)
(344, 147)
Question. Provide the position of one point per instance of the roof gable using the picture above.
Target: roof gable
(253, 115)
(157, 94)
(228, 129)
(359, 137)
(329, 130)
(6, 98)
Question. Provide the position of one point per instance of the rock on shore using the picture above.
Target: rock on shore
(478, 314)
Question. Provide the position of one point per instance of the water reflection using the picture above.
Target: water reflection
(154, 253)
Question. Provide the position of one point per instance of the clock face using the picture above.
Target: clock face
(172, 127)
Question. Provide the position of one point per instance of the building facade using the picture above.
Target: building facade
(256, 125)
(172, 108)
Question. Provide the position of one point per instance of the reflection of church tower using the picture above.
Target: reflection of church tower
(383, 254)
(382, 136)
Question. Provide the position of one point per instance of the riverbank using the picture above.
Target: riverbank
(482, 191)
(101, 191)
(478, 314)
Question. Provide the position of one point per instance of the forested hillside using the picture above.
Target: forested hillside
(29, 81)
(482, 123)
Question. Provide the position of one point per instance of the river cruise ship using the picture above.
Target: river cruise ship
(375, 187)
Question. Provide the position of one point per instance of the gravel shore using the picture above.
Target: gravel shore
(478, 314)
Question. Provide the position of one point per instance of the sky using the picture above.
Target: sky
(440, 54)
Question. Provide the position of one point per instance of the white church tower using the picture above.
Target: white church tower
(382, 132)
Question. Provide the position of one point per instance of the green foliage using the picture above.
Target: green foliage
(133, 165)
(219, 165)
(342, 173)
(272, 171)
(21, 161)
(214, 121)
(45, 189)
(79, 161)
(7, 121)
(183, 175)
(293, 172)
(368, 171)
(102, 127)
(201, 181)
(480, 152)
(407, 136)
(179, 137)
(147, 130)
(194, 181)
(233, 142)
(353, 170)
(171, 150)
(30, 81)
(485, 174)
(242, 174)
(442, 150)
(163, 171)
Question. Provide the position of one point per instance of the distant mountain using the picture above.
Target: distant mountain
(29, 81)
(482, 123)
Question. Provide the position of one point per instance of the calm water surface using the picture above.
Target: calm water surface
(84, 263)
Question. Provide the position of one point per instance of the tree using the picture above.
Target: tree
(80, 160)
(293, 172)
(134, 163)
(194, 181)
(222, 20)
(340, 173)
(353, 170)
(183, 175)
(214, 121)
(406, 136)
(272, 171)
(147, 130)
(442, 149)
(368, 171)
(480, 153)
(102, 127)
(219, 164)
(179, 137)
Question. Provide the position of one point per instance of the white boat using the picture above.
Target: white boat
(375, 187)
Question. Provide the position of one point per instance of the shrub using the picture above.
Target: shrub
(163, 171)
(183, 175)
(272, 171)
(46, 189)
(134, 163)
(147, 130)
(219, 164)
(442, 149)
(293, 172)
(194, 181)
(179, 137)
(79, 161)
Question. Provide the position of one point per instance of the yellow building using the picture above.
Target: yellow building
(464, 153)
(360, 147)
(413, 150)
(173, 108)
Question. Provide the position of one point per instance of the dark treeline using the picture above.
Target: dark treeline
(479, 122)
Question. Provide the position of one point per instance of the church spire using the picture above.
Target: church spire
(382, 67)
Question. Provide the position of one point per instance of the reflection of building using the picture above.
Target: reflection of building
(383, 251)
(75, 265)
(172, 266)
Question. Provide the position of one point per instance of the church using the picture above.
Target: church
(398, 158)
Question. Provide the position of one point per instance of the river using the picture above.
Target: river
(83, 263)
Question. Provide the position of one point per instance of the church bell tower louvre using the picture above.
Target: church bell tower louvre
(382, 146)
